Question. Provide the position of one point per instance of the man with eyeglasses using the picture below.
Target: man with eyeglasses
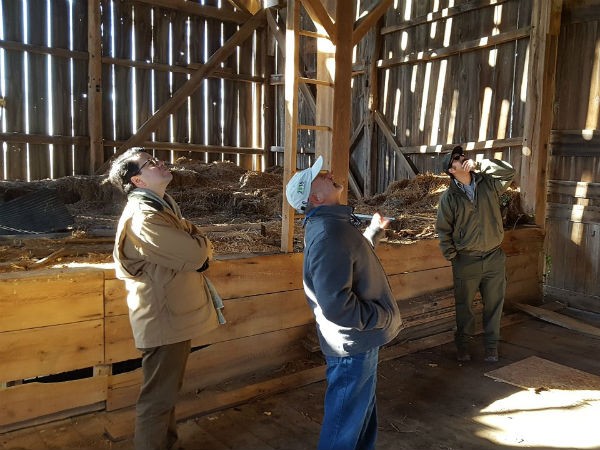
(354, 307)
(160, 256)
(470, 229)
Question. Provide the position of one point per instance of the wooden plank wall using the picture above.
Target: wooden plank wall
(573, 219)
(148, 52)
(75, 321)
(444, 86)
(443, 73)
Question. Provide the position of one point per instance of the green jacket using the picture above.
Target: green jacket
(465, 226)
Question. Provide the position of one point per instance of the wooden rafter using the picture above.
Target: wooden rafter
(209, 12)
(319, 15)
(193, 83)
(364, 24)
(248, 6)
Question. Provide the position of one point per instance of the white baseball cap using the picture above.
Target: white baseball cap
(297, 190)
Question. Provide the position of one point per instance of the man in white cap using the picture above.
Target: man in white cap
(354, 307)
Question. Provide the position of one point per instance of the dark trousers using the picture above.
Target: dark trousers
(487, 275)
(163, 368)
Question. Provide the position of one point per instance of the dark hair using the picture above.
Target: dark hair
(123, 168)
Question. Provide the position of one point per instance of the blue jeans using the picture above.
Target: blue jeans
(350, 420)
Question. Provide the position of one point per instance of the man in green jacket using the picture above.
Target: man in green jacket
(160, 256)
(470, 229)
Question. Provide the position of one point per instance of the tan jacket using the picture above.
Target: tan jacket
(157, 253)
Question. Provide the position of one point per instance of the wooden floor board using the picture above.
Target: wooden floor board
(426, 400)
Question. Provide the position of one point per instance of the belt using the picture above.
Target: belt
(477, 254)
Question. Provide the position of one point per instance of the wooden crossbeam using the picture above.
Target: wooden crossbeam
(209, 12)
(280, 38)
(364, 24)
(444, 13)
(193, 83)
(387, 132)
(445, 52)
(248, 6)
(319, 15)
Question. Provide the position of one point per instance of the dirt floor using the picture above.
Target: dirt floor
(426, 401)
(240, 210)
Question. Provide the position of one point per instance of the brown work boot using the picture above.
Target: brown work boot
(463, 355)
(491, 355)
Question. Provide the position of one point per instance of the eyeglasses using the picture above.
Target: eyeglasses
(457, 156)
(153, 161)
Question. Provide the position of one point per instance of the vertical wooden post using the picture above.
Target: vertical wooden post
(342, 97)
(370, 176)
(291, 119)
(543, 48)
(95, 86)
(267, 64)
(325, 94)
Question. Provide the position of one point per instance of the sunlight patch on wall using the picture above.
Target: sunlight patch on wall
(447, 33)
(523, 95)
(386, 84)
(441, 83)
(485, 113)
(591, 121)
(425, 96)
(396, 108)
(503, 119)
(452, 118)
(577, 231)
(408, 9)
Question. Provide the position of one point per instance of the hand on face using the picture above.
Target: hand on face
(462, 164)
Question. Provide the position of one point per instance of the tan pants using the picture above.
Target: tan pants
(163, 368)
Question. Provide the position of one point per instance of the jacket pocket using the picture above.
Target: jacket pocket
(185, 293)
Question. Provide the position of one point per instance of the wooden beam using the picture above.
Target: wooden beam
(372, 105)
(342, 96)
(325, 94)
(189, 147)
(248, 6)
(292, 57)
(280, 38)
(560, 320)
(189, 69)
(320, 16)
(193, 82)
(365, 23)
(195, 9)
(543, 49)
(463, 47)
(94, 87)
(391, 139)
(442, 14)
(42, 50)
(467, 146)
(22, 138)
